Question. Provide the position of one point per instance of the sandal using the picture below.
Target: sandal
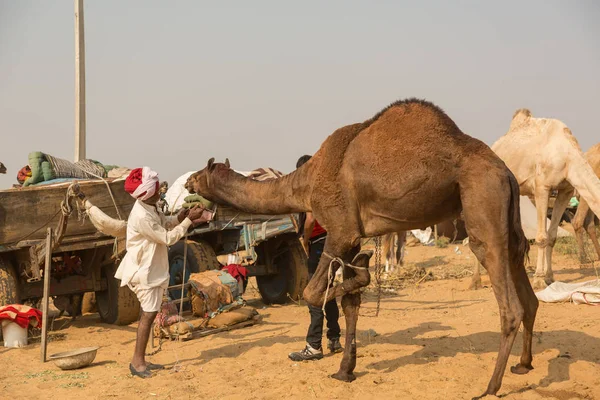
(142, 374)
(154, 367)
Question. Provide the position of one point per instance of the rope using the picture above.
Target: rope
(185, 245)
(330, 272)
(107, 186)
(378, 268)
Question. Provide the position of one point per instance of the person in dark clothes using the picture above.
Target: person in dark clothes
(313, 240)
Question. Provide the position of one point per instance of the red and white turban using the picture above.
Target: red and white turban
(142, 183)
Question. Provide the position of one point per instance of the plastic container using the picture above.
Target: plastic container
(13, 334)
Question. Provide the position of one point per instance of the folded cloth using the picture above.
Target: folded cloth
(167, 315)
(237, 271)
(21, 315)
(578, 293)
(23, 174)
(194, 199)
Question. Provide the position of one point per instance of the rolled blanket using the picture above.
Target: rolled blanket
(84, 169)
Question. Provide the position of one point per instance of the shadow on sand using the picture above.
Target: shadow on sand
(568, 343)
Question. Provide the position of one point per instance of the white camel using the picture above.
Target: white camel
(544, 155)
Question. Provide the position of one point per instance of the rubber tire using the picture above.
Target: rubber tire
(200, 257)
(9, 284)
(291, 277)
(116, 305)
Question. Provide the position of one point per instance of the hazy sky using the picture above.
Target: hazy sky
(172, 83)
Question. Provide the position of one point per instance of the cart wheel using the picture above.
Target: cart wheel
(200, 257)
(292, 272)
(9, 287)
(116, 305)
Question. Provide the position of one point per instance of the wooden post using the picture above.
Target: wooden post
(79, 83)
(47, 269)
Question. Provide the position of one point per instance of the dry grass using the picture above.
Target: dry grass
(566, 245)
(435, 268)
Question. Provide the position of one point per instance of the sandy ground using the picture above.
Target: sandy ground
(435, 340)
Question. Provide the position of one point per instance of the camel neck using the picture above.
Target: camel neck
(288, 194)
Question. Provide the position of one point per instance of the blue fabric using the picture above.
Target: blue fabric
(59, 180)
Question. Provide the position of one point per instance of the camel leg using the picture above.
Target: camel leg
(401, 247)
(498, 250)
(511, 313)
(353, 280)
(314, 292)
(541, 204)
(530, 305)
(388, 246)
(476, 279)
(591, 230)
(359, 278)
(578, 222)
(350, 305)
(560, 205)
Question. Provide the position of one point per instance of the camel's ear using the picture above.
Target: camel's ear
(210, 164)
(227, 163)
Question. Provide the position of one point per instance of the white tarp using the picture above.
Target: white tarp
(424, 236)
(578, 293)
(529, 220)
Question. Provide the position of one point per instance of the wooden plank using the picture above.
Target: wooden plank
(199, 334)
(47, 269)
(25, 212)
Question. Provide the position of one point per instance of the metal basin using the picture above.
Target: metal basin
(75, 358)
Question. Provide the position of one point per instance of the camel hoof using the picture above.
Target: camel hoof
(539, 283)
(521, 369)
(475, 285)
(343, 376)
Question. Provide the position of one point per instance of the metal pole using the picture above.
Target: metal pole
(47, 269)
(79, 83)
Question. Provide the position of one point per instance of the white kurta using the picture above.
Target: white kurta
(146, 263)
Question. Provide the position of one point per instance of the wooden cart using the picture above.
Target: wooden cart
(271, 250)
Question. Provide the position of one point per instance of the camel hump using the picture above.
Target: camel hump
(520, 116)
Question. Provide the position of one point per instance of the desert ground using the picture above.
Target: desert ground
(433, 339)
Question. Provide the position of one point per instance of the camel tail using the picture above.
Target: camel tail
(518, 245)
(582, 177)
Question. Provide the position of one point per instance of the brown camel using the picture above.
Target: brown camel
(406, 168)
(584, 217)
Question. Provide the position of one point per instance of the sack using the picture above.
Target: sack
(208, 293)
(232, 317)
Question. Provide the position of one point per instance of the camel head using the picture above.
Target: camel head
(2, 168)
(201, 182)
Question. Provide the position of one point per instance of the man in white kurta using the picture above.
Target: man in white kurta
(145, 267)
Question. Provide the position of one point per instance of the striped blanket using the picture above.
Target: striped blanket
(84, 169)
(265, 174)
